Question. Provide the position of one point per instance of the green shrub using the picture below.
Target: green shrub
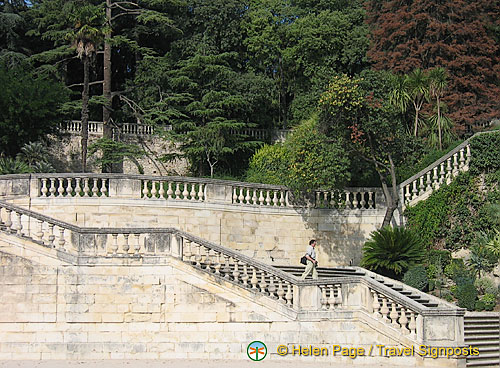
(432, 271)
(392, 251)
(481, 259)
(13, 166)
(489, 301)
(416, 277)
(485, 151)
(446, 295)
(438, 257)
(479, 307)
(466, 295)
(456, 269)
(486, 285)
(268, 165)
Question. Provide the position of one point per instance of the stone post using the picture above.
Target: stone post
(218, 193)
(307, 298)
(125, 188)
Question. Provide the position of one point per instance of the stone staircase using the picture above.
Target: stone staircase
(482, 330)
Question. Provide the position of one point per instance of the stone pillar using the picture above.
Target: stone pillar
(124, 188)
(307, 297)
(218, 193)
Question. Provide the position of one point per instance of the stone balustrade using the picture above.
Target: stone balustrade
(181, 189)
(96, 127)
(350, 198)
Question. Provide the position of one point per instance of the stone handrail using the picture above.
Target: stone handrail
(180, 189)
(425, 182)
(75, 126)
(362, 292)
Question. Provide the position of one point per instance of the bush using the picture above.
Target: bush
(466, 295)
(268, 165)
(485, 151)
(485, 286)
(432, 271)
(489, 301)
(440, 258)
(391, 251)
(416, 277)
(456, 269)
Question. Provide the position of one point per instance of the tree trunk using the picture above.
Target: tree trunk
(106, 85)
(439, 124)
(391, 196)
(416, 123)
(85, 111)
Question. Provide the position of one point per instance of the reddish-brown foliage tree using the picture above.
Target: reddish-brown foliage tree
(460, 36)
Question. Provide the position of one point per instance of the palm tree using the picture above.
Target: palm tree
(399, 96)
(87, 34)
(418, 89)
(438, 80)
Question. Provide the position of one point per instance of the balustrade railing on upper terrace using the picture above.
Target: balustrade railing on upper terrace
(182, 189)
(361, 292)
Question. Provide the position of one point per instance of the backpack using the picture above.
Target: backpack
(303, 260)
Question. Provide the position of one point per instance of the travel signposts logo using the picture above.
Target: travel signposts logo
(256, 351)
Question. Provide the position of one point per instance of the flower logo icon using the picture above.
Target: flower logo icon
(256, 351)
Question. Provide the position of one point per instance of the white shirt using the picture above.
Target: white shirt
(311, 252)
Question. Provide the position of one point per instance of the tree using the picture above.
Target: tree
(418, 91)
(460, 36)
(438, 80)
(358, 111)
(29, 106)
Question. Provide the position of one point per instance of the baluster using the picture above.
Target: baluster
(60, 189)
(39, 234)
(154, 191)
(95, 190)
(78, 188)
(467, 158)
(8, 221)
(412, 325)
(355, 201)
(137, 244)
(236, 271)
(192, 194)
(254, 196)
(263, 283)
(244, 276)
(323, 300)
(69, 188)
(429, 181)
(208, 259)
(461, 161)
(435, 178)
(348, 200)
(415, 191)
(442, 174)
(268, 198)
(275, 198)
(331, 297)
(235, 196)
(44, 189)
(407, 194)
(247, 197)
(114, 245)
(272, 287)
(185, 192)
(448, 171)
(455, 164)
(254, 280)
(145, 190)
(421, 186)
(281, 291)
(52, 189)
(104, 188)
(370, 200)
(200, 192)
(86, 189)
(363, 202)
(61, 241)
(51, 235)
(403, 320)
(289, 295)
(169, 190)
(218, 264)
(177, 191)
(261, 197)
(227, 269)
(197, 256)
(332, 200)
(375, 304)
(161, 192)
(384, 310)
(19, 226)
(394, 315)
(338, 299)
(126, 246)
(241, 197)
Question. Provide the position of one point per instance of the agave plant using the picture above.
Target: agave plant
(391, 251)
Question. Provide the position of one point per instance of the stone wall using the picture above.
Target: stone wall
(54, 310)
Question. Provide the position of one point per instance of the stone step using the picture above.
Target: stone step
(485, 331)
(483, 363)
(484, 337)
